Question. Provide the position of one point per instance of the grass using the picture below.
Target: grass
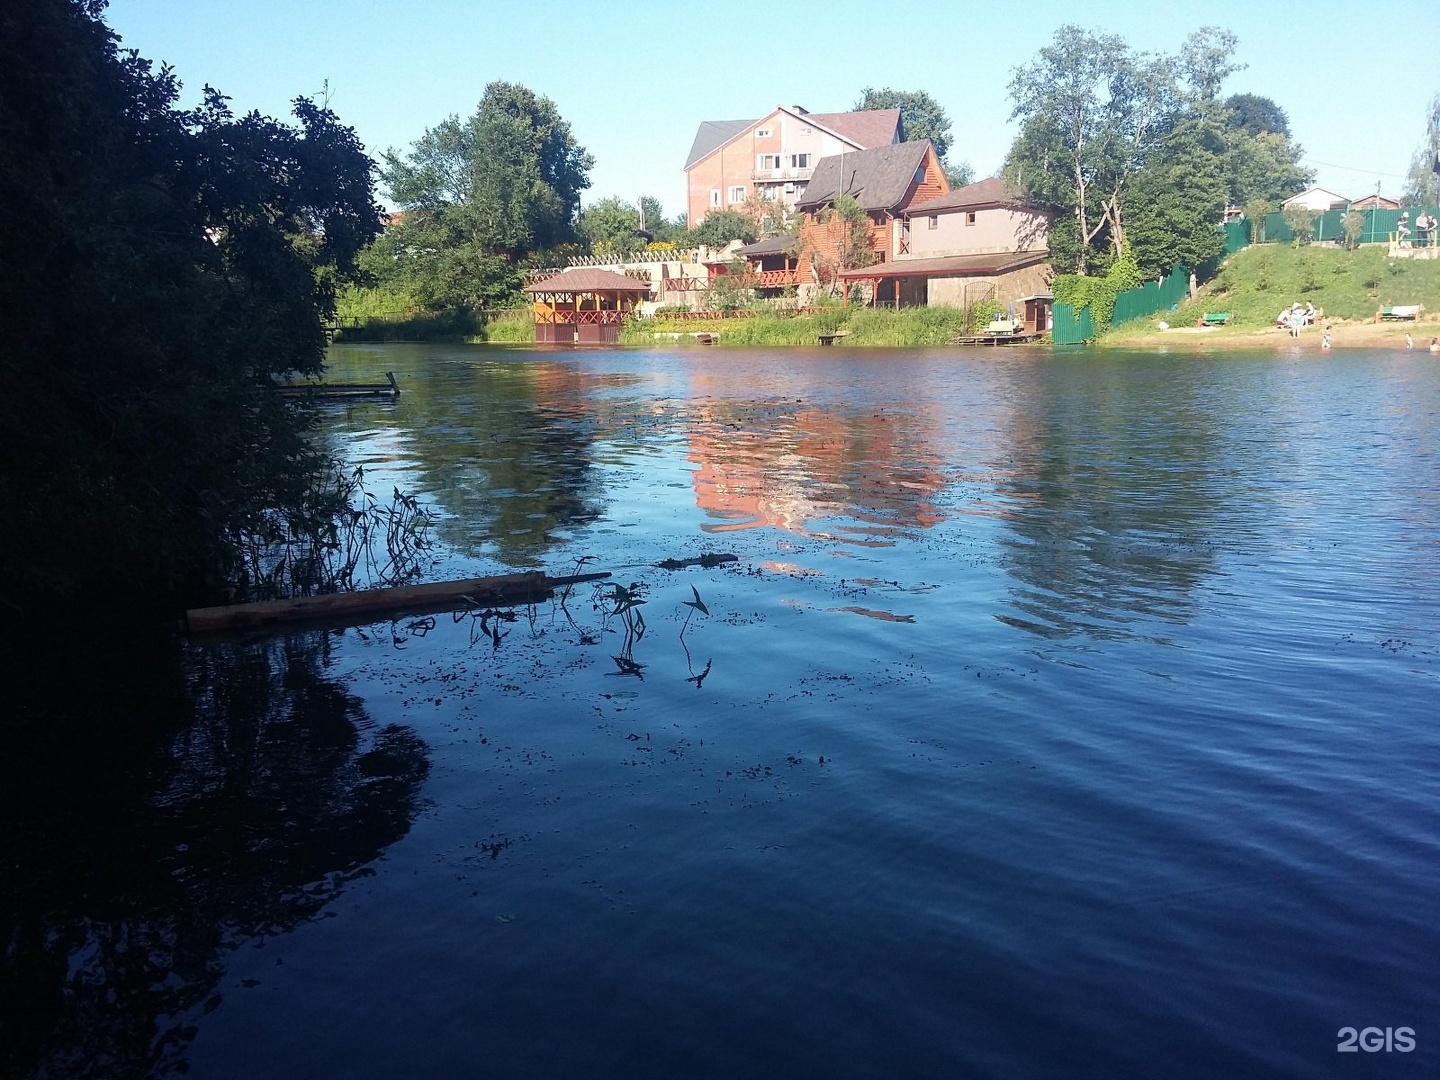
(1254, 284)
(914, 327)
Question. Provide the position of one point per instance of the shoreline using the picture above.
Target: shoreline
(1343, 335)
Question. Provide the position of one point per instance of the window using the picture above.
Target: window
(767, 162)
(762, 133)
(737, 193)
(934, 221)
(920, 175)
(969, 219)
(714, 196)
(799, 161)
(804, 131)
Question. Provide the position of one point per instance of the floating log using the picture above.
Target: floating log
(370, 605)
(706, 561)
(385, 389)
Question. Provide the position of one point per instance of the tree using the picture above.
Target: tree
(1254, 115)
(721, 227)
(1178, 201)
(158, 269)
(611, 226)
(959, 175)
(921, 116)
(1301, 220)
(1090, 111)
(1264, 166)
(1422, 182)
(512, 173)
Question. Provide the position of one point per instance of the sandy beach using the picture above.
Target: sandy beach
(1343, 335)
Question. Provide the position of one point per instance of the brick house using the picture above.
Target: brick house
(978, 242)
(775, 155)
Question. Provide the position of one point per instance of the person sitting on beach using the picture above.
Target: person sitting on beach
(1435, 344)
(1309, 313)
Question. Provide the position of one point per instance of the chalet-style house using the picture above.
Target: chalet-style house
(979, 242)
(775, 155)
(884, 181)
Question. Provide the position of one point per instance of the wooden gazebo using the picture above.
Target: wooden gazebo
(584, 305)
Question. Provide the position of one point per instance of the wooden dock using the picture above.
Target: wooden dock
(390, 389)
(999, 339)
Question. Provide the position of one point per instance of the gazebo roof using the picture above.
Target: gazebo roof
(588, 279)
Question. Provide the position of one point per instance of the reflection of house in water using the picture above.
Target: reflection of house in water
(799, 465)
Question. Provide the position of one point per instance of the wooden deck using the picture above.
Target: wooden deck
(999, 339)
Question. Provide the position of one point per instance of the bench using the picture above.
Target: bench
(829, 339)
(1215, 318)
(1397, 312)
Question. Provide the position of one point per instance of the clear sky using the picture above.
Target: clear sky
(634, 81)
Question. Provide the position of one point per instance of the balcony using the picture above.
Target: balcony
(798, 175)
(770, 279)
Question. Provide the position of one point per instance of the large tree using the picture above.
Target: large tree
(1178, 200)
(158, 268)
(503, 185)
(1090, 112)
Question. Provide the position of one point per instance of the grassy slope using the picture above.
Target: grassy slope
(1349, 286)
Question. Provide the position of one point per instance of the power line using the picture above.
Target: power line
(1351, 168)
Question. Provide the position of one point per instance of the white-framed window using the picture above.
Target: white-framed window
(737, 194)
(714, 196)
(767, 162)
(762, 133)
(969, 219)
(799, 161)
(804, 131)
(934, 222)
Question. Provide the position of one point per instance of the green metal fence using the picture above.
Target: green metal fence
(1151, 297)
(1069, 328)
(1379, 226)
(1237, 235)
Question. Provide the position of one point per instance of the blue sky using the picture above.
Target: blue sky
(635, 81)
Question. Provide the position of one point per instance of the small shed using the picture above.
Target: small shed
(584, 305)
(1037, 312)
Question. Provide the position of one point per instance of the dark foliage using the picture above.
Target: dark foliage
(158, 269)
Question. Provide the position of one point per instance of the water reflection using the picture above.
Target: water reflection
(245, 794)
(1113, 501)
(789, 466)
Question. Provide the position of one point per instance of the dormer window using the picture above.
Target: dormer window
(920, 175)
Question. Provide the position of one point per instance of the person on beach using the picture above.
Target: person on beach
(1325, 339)
(1409, 342)
(1435, 345)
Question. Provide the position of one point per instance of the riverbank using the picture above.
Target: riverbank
(1344, 334)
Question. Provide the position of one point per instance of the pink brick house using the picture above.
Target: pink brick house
(775, 155)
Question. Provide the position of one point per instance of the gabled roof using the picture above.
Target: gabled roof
(714, 134)
(771, 245)
(1335, 198)
(869, 127)
(879, 177)
(588, 279)
(978, 196)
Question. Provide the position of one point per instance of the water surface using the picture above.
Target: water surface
(1064, 714)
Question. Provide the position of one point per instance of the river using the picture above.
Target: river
(1062, 714)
